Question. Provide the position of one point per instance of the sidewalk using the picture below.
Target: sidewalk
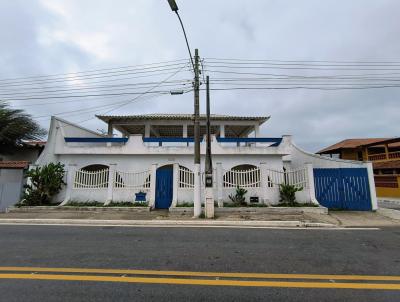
(166, 218)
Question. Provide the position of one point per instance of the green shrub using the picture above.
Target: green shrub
(84, 204)
(238, 199)
(288, 194)
(127, 204)
(45, 182)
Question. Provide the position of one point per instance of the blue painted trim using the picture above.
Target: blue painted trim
(275, 140)
(168, 139)
(95, 139)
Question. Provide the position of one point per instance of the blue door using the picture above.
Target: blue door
(344, 188)
(164, 183)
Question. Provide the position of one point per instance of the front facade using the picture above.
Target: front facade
(154, 155)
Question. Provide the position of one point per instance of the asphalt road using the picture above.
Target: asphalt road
(222, 250)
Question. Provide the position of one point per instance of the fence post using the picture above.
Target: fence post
(311, 185)
(110, 188)
(70, 183)
(264, 183)
(372, 189)
(220, 185)
(175, 184)
(153, 174)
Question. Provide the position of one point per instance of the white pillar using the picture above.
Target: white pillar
(147, 130)
(222, 130)
(185, 130)
(71, 171)
(311, 185)
(264, 183)
(175, 185)
(372, 190)
(197, 191)
(153, 174)
(110, 188)
(256, 130)
(209, 203)
(220, 185)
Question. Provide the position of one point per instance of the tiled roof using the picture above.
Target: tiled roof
(351, 144)
(14, 164)
(182, 117)
(35, 143)
(392, 164)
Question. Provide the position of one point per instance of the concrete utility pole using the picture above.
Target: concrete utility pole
(197, 179)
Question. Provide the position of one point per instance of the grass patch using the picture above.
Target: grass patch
(185, 205)
(110, 205)
(84, 204)
(251, 205)
(296, 205)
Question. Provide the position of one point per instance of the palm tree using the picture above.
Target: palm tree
(15, 127)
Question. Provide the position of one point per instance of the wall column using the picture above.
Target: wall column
(175, 185)
(372, 189)
(311, 185)
(184, 130)
(70, 183)
(153, 176)
(110, 188)
(264, 183)
(220, 185)
(386, 151)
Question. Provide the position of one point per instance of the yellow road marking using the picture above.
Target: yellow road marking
(201, 274)
(203, 282)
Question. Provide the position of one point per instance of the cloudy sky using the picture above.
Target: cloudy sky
(51, 37)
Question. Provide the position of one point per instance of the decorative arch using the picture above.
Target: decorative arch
(94, 167)
(244, 176)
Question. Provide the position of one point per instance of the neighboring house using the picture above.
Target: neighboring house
(154, 155)
(12, 170)
(384, 153)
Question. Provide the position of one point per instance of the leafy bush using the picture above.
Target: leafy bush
(84, 204)
(238, 199)
(45, 182)
(288, 194)
(185, 205)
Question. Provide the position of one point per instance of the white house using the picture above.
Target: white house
(154, 155)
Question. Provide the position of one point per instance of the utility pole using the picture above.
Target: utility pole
(209, 202)
(196, 117)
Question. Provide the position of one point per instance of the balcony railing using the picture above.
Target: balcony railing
(382, 156)
(184, 141)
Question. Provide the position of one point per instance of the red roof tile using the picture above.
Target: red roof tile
(351, 144)
(14, 164)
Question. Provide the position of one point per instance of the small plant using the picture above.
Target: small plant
(288, 194)
(45, 182)
(238, 199)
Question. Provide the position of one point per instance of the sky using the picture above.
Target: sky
(50, 37)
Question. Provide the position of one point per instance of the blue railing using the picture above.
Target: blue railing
(275, 140)
(95, 139)
(169, 140)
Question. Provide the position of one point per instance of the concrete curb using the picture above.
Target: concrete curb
(390, 213)
(191, 223)
(260, 210)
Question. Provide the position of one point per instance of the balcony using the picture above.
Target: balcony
(384, 156)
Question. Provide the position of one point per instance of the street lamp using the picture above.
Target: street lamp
(196, 117)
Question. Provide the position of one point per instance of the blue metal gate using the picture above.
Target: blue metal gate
(164, 183)
(343, 188)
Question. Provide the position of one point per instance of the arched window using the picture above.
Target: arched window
(186, 177)
(95, 167)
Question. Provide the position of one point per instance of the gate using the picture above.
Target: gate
(343, 188)
(164, 183)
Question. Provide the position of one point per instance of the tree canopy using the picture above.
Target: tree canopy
(15, 127)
